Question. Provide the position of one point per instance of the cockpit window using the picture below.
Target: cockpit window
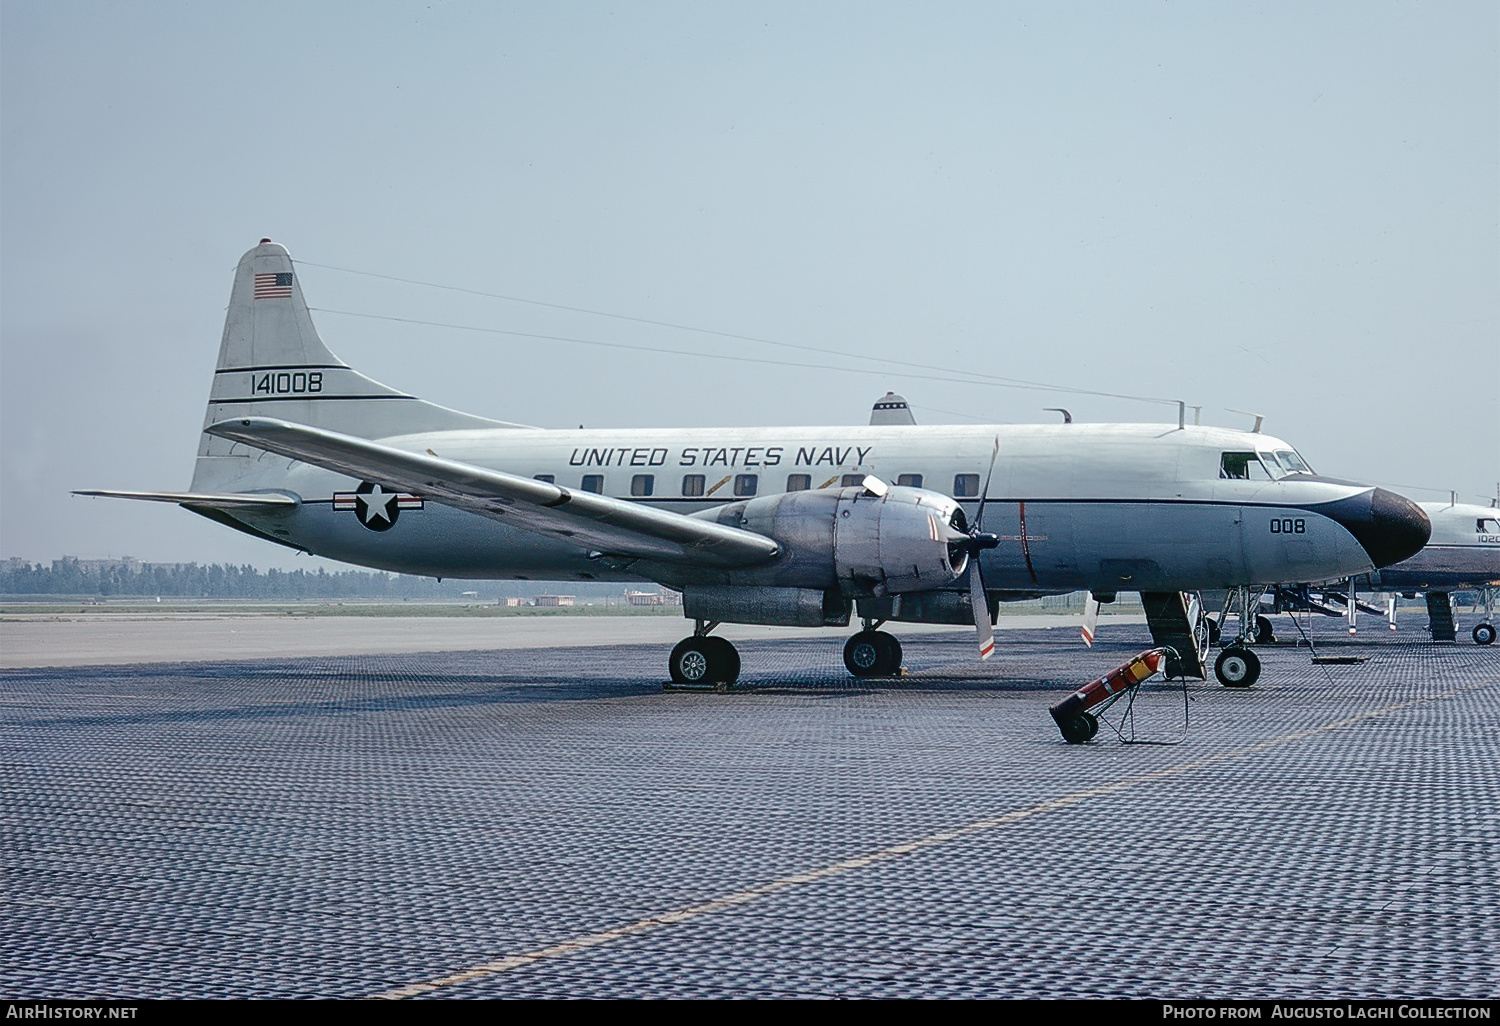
(1487, 525)
(1243, 466)
(1293, 463)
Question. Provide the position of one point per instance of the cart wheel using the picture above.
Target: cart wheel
(1080, 730)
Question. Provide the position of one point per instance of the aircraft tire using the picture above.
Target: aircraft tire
(1484, 634)
(1237, 667)
(894, 644)
(867, 654)
(727, 662)
(1264, 632)
(705, 660)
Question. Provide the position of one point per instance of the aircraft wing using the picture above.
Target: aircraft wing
(608, 525)
(213, 500)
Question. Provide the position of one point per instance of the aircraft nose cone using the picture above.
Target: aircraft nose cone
(1390, 527)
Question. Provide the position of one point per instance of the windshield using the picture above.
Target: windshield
(1278, 464)
(1293, 463)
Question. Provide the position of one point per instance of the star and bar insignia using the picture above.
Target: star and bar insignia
(375, 507)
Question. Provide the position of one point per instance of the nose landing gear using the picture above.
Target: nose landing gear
(1238, 666)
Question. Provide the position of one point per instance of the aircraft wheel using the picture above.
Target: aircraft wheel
(1237, 667)
(704, 660)
(868, 654)
(1264, 632)
(894, 644)
(1484, 634)
(1080, 730)
(728, 661)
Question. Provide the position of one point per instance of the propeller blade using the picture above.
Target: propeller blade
(985, 494)
(982, 625)
(1090, 619)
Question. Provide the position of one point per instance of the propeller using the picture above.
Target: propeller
(1090, 620)
(976, 542)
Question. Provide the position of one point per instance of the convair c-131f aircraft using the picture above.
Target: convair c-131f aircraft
(797, 526)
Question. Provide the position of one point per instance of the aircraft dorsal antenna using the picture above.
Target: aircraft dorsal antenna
(1259, 420)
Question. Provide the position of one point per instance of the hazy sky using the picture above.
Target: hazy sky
(1289, 209)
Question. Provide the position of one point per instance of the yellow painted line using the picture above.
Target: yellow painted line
(883, 855)
(719, 485)
(830, 481)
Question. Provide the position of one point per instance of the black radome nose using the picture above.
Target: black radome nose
(1390, 527)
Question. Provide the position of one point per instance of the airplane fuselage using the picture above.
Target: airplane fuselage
(1103, 507)
(1463, 552)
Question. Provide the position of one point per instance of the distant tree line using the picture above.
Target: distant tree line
(217, 580)
(130, 578)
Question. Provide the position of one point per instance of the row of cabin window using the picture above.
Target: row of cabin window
(965, 486)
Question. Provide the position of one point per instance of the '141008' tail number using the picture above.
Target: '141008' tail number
(287, 382)
(1289, 526)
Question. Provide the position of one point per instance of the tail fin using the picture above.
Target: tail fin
(273, 364)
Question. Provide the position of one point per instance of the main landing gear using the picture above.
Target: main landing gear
(873, 653)
(704, 660)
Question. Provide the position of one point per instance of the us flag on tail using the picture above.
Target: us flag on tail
(273, 286)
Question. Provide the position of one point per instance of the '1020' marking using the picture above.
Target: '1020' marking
(287, 382)
(1289, 526)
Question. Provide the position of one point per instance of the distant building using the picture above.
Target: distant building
(553, 600)
(127, 563)
(653, 598)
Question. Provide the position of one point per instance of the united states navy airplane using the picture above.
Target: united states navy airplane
(797, 526)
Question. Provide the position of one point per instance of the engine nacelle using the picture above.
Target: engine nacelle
(778, 607)
(856, 541)
(927, 607)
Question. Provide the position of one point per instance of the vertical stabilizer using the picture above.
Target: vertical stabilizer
(273, 364)
(891, 409)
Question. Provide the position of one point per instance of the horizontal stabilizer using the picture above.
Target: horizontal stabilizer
(213, 500)
(611, 526)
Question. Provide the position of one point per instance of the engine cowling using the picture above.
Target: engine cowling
(857, 541)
